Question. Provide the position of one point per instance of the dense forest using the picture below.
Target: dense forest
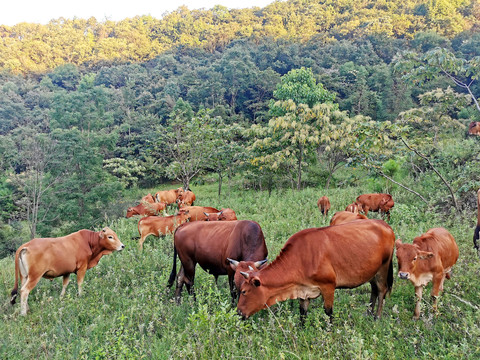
(282, 96)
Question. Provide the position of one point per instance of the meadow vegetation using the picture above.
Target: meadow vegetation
(127, 311)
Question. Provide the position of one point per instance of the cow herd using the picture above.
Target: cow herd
(352, 251)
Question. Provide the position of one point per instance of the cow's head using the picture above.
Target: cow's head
(218, 216)
(409, 256)
(109, 240)
(253, 296)
(244, 266)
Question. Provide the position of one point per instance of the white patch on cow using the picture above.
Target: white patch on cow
(306, 292)
(421, 280)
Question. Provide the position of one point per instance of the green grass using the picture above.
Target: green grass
(127, 312)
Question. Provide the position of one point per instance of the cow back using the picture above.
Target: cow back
(442, 244)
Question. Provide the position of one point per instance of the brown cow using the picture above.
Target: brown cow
(341, 217)
(210, 244)
(147, 199)
(223, 215)
(376, 202)
(317, 261)
(198, 213)
(354, 208)
(168, 196)
(186, 199)
(476, 234)
(159, 225)
(474, 128)
(323, 205)
(146, 209)
(429, 258)
(54, 257)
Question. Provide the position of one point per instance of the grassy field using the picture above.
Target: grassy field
(127, 312)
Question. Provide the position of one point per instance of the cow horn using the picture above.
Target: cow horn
(220, 213)
(251, 269)
(233, 262)
(245, 275)
(205, 214)
(260, 263)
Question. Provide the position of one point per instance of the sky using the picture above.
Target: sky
(42, 11)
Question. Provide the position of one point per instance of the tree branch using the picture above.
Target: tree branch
(403, 186)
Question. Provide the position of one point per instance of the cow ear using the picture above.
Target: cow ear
(424, 255)
(256, 282)
(398, 242)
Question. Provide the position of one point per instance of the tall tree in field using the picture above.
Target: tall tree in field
(294, 130)
(184, 145)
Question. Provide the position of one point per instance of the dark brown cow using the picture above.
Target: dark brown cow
(186, 199)
(210, 244)
(159, 225)
(54, 257)
(474, 128)
(317, 261)
(198, 213)
(353, 207)
(341, 217)
(168, 196)
(223, 215)
(324, 205)
(476, 234)
(429, 258)
(375, 202)
(147, 199)
(146, 209)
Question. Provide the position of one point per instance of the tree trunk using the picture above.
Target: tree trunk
(220, 178)
(299, 178)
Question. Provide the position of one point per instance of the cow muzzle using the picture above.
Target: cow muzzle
(242, 315)
(121, 247)
(403, 275)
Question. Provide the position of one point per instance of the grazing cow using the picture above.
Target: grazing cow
(186, 199)
(354, 208)
(476, 234)
(376, 202)
(146, 209)
(429, 258)
(147, 199)
(341, 217)
(198, 213)
(168, 196)
(210, 244)
(223, 215)
(474, 128)
(317, 261)
(54, 257)
(159, 225)
(323, 205)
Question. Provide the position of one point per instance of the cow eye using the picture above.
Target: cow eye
(243, 292)
(110, 237)
(415, 258)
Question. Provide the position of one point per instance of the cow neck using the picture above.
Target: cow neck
(97, 250)
(279, 278)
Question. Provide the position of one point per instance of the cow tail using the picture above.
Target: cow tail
(390, 277)
(14, 292)
(173, 274)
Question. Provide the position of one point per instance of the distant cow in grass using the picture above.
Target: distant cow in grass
(324, 205)
(474, 128)
(381, 203)
(341, 217)
(223, 215)
(160, 225)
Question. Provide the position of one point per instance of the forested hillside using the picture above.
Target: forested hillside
(283, 96)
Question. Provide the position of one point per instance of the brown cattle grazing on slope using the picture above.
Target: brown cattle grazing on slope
(375, 202)
(159, 225)
(147, 199)
(341, 217)
(198, 213)
(476, 234)
(474, 128)
(54, 257)
(223, 215)
(324, 205)
(353, 207)
(317, 261)
(211, 244)
(429, 258)
(186, 199)
(146, 209)
(168, 196)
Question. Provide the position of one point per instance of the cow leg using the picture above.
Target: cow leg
(66, 279)
(233, 290)
(328, 293)
(437, 287)
(80, 276)
(373, 296)
(180, 282)
(303, 310)
(189, 277)
(418, 300)
(31, 281)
